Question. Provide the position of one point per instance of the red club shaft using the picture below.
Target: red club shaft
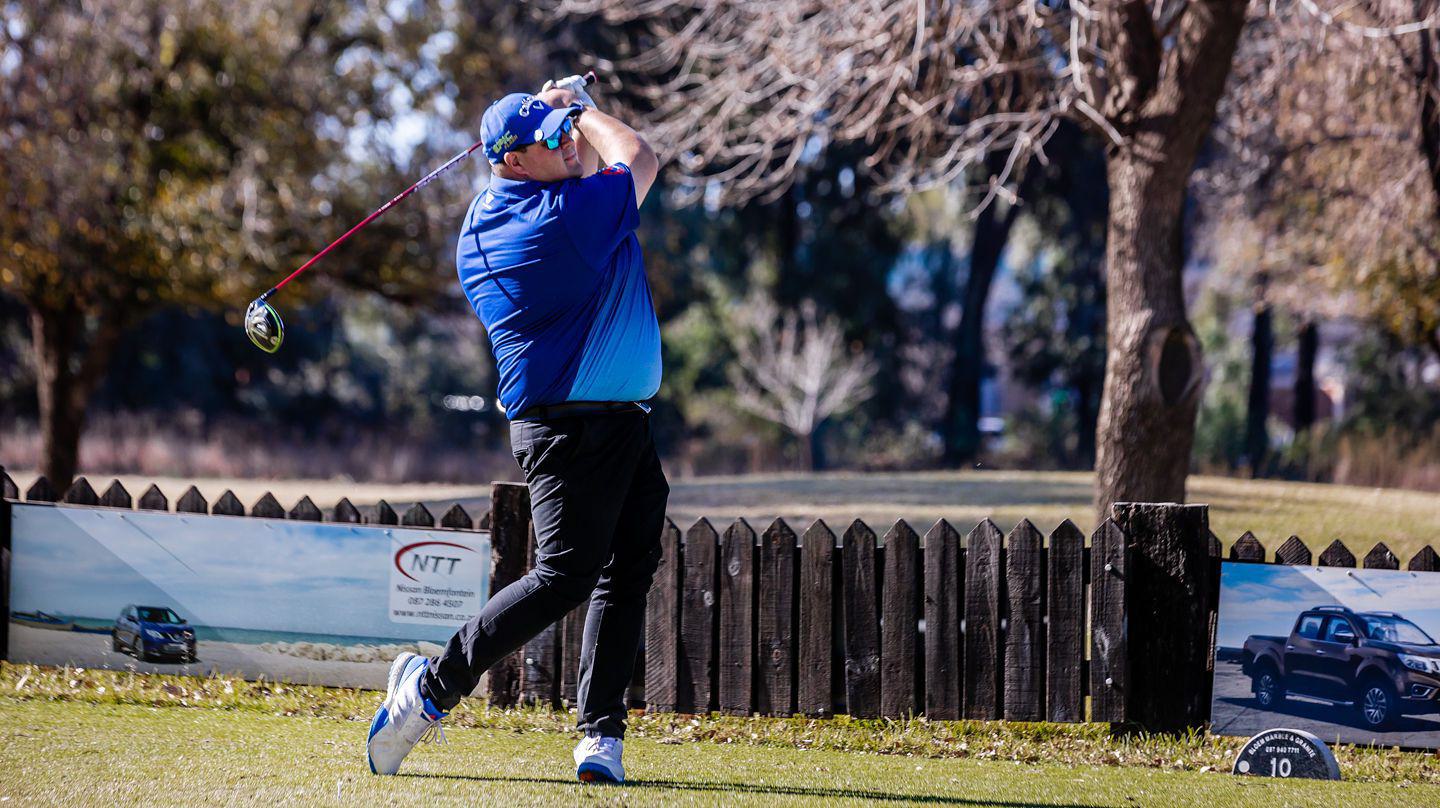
(589, 78)
(372, 217)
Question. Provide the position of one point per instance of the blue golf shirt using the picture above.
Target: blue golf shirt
(554, 272)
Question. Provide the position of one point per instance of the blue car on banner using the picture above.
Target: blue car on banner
(153, 632)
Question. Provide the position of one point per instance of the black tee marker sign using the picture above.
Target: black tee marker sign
(1287, 753)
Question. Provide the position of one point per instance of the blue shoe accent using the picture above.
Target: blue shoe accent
(594, 773)
(376, 723)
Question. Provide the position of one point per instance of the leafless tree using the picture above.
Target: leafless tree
(1329, 177)
(742, 94)
(793, 368)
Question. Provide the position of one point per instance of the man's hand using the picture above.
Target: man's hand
(558, 97)
(576, 87)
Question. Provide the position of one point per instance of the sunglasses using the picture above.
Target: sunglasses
(553, 142)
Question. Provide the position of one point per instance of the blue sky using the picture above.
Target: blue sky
(214, 570)
(1266, 598)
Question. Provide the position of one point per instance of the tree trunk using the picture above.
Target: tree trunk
(1308, 346)
(818, 460)
(962, 412)
(69, 364)
(807, 450)
(1427, 84)
(1262, 348)
(1153, 367)
(1162, 104)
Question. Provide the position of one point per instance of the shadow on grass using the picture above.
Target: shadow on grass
(746, 788)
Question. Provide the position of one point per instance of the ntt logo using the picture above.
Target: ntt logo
(427, 557)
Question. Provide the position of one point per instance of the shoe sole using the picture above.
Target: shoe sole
(592, 773)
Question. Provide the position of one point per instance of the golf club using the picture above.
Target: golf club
(262, 322)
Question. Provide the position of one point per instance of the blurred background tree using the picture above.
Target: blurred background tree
(185, 153)
(166, 160)
(740, 94)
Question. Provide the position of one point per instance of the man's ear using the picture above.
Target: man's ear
(512, 161)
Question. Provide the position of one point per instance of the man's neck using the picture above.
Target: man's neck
(504, 171)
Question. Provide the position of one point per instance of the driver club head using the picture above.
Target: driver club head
(264, 326)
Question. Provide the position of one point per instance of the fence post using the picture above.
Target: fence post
(775, 621)
(115, 497)
(80, 493)
(859, 606)
(737, 617)
(696, 681)
(153, 500)
(1167, 597)
(900, 695)
(662, 630)
(1109, 624)
(509, 539)
(817, 621)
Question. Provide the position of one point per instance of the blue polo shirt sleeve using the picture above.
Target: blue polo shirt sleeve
(600, 211)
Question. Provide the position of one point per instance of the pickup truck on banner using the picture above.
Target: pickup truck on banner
(1378, 663)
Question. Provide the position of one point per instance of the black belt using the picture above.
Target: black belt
(542, 412)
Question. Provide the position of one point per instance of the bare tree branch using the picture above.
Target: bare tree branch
(793, 368)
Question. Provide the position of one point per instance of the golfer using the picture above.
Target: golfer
(549, 260)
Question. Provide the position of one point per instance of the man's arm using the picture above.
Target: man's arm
(612, 140)
(618, 143)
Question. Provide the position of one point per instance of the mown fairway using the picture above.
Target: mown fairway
(92, 737)
(75, 753)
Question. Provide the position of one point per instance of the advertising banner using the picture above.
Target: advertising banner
(1349, 655)
(306, 602)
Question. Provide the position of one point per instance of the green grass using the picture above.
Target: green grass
(111, 754)
(102, 737)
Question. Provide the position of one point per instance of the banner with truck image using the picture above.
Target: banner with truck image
(305, 602)
(1350, 655)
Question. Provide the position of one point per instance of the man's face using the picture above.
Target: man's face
(536, 162)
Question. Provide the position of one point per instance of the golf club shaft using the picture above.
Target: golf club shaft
(589, 78)
(372, 217)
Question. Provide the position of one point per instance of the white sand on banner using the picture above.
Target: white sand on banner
(300, 663)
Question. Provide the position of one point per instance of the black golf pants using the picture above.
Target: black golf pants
(597, 496)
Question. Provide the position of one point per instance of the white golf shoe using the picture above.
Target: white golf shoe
(404, 719)
(597, 760)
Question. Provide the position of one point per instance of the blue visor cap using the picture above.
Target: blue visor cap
(518, 120)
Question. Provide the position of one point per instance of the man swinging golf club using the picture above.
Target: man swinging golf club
(549, 260)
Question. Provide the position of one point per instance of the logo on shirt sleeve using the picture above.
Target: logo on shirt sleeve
(613, 170)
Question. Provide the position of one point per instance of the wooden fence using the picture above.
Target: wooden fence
(781, 623)
(1020, 627)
